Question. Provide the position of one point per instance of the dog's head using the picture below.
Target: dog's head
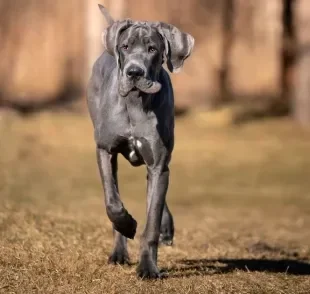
(141, 48)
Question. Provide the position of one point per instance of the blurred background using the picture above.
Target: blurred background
(240, 171)
(247, 52)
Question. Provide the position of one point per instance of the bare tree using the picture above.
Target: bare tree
(42, 52)
(255, 70)
(301, 103)
(227, 42)
(94, 26)
(117, 8)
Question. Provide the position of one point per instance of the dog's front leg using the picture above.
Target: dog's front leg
(122, 221)
(119, 254)
(158, 180)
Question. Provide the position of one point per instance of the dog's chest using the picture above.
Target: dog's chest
(139, 114)
(122, 123)
(143, 136)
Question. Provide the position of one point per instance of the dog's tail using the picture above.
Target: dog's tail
(106, 14)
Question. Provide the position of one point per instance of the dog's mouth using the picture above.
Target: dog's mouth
(143, 84)
(147, 86)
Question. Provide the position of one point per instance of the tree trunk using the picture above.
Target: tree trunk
(118, 8)
(43, 50)
(255, 69)
(95, 24)
(227, 42)
(301, 106)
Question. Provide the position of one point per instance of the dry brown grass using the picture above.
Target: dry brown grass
(240, 197)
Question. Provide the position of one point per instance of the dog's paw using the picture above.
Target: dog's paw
(166, 228)
(166, 239)
(148, 270)
(119, 257)
(166, 234)
(122, 221)
(126, 225)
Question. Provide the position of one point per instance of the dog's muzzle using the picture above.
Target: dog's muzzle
(135, 77)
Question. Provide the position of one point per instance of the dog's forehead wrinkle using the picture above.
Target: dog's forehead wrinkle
(141, 34)
(132, 39)
(143, 26)
(129, 33)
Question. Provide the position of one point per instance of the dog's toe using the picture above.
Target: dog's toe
(119, 257)
(166, 240)
(148, 270)
(166, 237)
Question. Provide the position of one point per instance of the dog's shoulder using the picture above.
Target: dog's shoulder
(105, 63)
(102, 71)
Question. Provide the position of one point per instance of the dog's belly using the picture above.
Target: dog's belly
(139, 152)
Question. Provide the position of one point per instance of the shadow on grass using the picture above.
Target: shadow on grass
(197, 267)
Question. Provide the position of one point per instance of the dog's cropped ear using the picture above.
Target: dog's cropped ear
(179, 45)
(111, 35)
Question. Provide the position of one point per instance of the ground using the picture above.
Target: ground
(240, 196)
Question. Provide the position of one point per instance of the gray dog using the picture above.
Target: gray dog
(131, 104)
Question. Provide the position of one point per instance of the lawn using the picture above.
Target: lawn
(240, 196)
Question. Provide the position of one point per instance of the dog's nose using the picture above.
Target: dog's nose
(135, 71)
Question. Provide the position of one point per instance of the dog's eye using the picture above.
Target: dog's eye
(152, 50)
(125, 47)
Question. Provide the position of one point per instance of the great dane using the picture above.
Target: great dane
(131, 104)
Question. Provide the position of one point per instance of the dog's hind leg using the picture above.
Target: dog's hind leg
(122, 221)
(167, 227)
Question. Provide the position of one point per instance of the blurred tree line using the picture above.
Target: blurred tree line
(246, 50)
(42, 51)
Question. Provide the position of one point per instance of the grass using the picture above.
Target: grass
(240, 197)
